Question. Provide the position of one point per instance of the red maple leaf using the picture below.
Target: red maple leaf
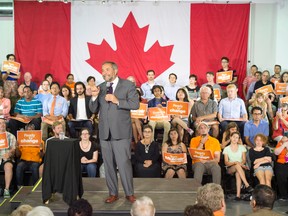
(129, 54)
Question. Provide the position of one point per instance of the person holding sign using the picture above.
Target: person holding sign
(7, 150)
(235, 162)
(232, 108)
(210, 81)
(11, 79)
(147, 155)
(264, 81)
(210, 166)
(280, 123)
(175, 146)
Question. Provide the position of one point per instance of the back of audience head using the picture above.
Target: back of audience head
(40, 211)
(22, 210)
(80, 207)
(143, 207)
(197, 210)
(263, 196)
(212, 196)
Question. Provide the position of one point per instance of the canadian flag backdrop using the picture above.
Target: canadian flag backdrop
(169, 37)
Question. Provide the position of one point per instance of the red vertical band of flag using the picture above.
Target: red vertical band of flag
(219, 30)
(42, 38)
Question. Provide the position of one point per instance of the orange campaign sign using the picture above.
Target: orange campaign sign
(3, 141)
(217, 94)
(141, 113)
(177, 108)
(24, 120)
(224, 77)
(265, 89)
(157, 114)
(14, 67)
(198, 154)
(175, 159)
(280, 88)
(29, 138)
(284, 100)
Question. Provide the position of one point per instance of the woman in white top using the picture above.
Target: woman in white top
(235, 160)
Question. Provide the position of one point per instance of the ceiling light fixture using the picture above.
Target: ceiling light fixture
(40, 1)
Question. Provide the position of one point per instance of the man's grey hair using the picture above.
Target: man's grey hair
(40, 211)
(210, 195)
(143, 207)
(205, 87)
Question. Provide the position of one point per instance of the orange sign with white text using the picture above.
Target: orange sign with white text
(14, 67)
(199, 154)
(217, 94)
(265, 89)
(29, 138)
(177, 108)
(284, 100)
(141, 113)
(175, 159)
(3, 141)
(280, 88)
(224, 77)
(157, 114)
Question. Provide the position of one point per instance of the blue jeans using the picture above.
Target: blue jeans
(90, 168)
(23, 166)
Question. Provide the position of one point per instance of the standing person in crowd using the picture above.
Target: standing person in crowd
(45, 92)
(250, 90)
(54, 109)
(205, 110)
(7, 158)
(114, 100)
(281, 168)
(28, 82)
(175, 146)
(255, 126)
(5, 105)
(171, 88)
(160, 102)
(235, 161)
(277, 74)
(88, 153)
(66, 92)
(231, 128)
(147, 86)
(261, 160)
(147, 156)
(70, 82)
(264, 81)
(232, 108)
(263, 198)
(26, 109)
(280, 123)
(91, 85)
(249, 79)
(206, 142)
(10, 79)
(212, 196)
(226, 67)
(192, 87)
(79, 112)
(179, 122)
(210, 81)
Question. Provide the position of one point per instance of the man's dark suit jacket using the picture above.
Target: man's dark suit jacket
(73, 107)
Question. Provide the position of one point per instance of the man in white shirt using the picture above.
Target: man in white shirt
(79, 113)
(172, 87)
(147, 86)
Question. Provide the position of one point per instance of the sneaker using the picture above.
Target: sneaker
(6, 194)
(237, 199)
(249, 189)
(190, 131)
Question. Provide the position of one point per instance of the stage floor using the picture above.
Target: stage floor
(170, 197)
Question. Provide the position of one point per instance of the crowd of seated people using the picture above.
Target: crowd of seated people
(208, 121)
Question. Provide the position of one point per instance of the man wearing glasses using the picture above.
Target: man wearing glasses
(255, 126)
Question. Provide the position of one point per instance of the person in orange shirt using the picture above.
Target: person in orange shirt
(281, 168)
(206, 142)
(212, 196)
(70, 82)
(30, 159)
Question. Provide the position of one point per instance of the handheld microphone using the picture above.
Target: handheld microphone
(108, 86)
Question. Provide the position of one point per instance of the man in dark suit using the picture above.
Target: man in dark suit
(79, 113)
(114, 99)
